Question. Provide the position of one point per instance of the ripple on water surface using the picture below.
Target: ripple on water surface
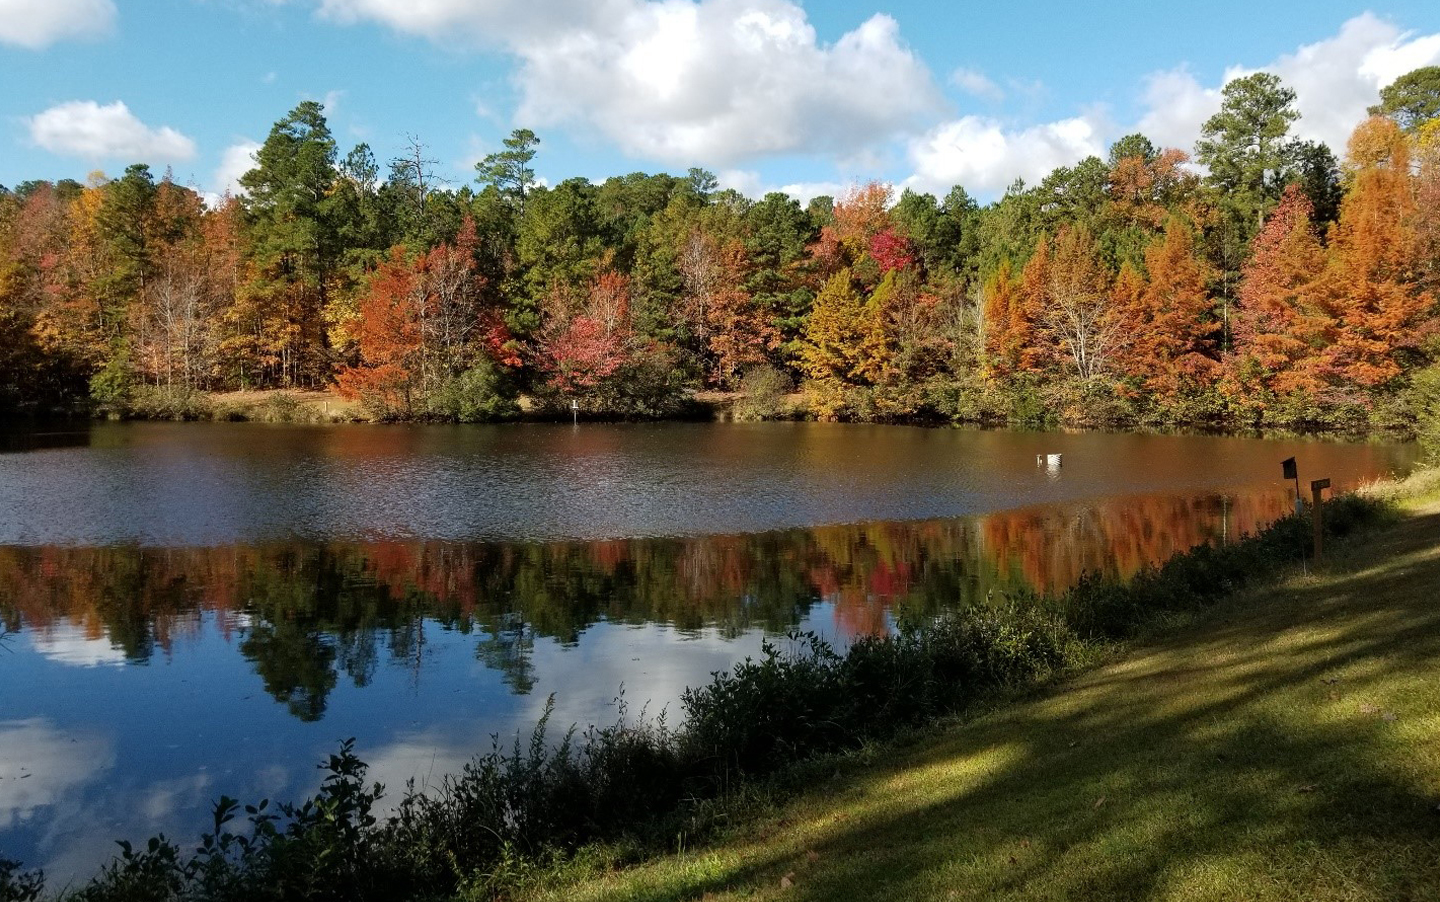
(187, 484)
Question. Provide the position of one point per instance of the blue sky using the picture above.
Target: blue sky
(805, 97)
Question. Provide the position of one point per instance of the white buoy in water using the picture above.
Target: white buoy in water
(1051, 463)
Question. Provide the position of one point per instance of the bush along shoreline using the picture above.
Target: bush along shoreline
(641, 787)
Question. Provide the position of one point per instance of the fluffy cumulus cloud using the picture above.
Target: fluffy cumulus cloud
(84, 128)
(37, 24)
(804, 192)
(1335, 80)
(981, 154)
(235, 161)
(1176, 105)
(722, 82)
(712, 82)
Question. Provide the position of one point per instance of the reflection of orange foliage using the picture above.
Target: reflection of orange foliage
(864, 571)
(1051, 548)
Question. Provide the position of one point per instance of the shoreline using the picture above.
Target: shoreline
(328, 408)
(1271, 746)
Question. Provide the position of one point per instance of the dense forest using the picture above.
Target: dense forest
(1283, 287)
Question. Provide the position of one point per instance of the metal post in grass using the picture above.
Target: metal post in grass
(1316, 508)
(1291, 471)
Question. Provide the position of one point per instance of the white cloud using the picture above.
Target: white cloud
(726, 80)
(37, 24)
(687, 81)
(721, 82)
(977, 84)
(235, 161)
(40, 764)
(84, 128)
(805, 192)
(982, 155)
(746, 181)
(493, 22)
(68, 644)
(1176, 106)
(1383, 64)
(749, 183)
(1335, 81)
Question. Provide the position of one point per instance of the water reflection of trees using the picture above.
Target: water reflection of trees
(307, 614)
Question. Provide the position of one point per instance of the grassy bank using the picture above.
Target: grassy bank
(1284, 744)
(315, 407)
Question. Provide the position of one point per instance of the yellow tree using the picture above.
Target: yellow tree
(831, 347)
(1074, 312)
(1427, 206)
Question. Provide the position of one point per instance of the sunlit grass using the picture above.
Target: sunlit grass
(1284, 745)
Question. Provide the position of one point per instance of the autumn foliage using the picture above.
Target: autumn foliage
(1120, 292)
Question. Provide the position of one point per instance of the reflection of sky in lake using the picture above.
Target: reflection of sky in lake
(131, 751)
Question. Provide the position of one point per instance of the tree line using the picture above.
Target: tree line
(1283, 287)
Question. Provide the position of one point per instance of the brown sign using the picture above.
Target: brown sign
(1319, 484)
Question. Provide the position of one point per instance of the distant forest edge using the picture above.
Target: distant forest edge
(1283, 288)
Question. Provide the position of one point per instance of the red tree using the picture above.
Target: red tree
(390, 337)
(581, 350)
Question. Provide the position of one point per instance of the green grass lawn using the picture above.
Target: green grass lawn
(1286, 745)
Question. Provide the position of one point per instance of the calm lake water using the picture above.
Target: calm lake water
(194, 609)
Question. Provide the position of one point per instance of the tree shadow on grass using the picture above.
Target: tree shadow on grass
(1273, 750)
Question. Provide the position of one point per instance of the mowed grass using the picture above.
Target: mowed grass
(1286, 745)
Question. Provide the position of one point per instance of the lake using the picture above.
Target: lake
(191, 609)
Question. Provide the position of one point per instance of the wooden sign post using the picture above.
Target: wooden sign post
(1316, 487)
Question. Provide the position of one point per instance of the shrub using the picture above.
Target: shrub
(111, 386)
(177, 402)
(481, 394)
(323, 849)
(762, 394)
(17, 885)
(280, 407)
(1425, 403)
